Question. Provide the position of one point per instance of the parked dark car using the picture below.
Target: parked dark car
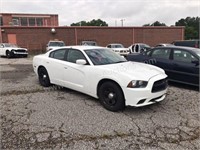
(188, 43)
(181, 64)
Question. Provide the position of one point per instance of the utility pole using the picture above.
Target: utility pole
(122, 20)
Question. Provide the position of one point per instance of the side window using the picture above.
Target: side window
(74, 55)
(58, 54)
(161, 53)
(184, 56)
(137, 48)
(133, 48)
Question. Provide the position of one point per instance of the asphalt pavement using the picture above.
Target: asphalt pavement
(33, 117)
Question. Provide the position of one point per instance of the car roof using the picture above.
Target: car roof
(139, 43)
(179, 47)
(55, 41)
(115, 44)
(7, 43)
(81, 47)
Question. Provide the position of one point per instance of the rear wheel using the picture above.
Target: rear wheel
(43, 77)
(111, 96)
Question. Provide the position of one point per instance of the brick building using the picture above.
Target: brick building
(17, 19)
(35, 37)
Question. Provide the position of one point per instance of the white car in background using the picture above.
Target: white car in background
(119, 49)
(103, 74)
(139, 48)
(54, 44)
(164, 44)
(12, 50)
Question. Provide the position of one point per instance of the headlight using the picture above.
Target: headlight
(137, 84)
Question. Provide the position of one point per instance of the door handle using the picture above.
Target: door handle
(47, 62)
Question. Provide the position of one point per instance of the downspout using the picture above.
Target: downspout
(1, 38)
(76, 40)
(133, 36)
(183, 33)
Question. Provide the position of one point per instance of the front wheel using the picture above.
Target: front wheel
(8, 54)
(43, 77)
(111, 96)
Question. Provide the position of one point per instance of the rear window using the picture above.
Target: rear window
(56, 44)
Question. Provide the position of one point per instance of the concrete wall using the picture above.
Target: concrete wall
(36, 38)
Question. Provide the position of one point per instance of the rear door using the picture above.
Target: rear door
(55, 65)
(184, 67)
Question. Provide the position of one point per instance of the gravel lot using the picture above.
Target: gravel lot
(33, 117)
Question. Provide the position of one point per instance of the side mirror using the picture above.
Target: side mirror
(81, 61)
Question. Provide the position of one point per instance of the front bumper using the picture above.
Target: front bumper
(138, 97)
(19, 53)
(16, 54)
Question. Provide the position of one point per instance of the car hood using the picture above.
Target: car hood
(16, 48)
(134, 70)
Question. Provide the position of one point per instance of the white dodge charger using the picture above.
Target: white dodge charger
(103, 74)
(11, 50)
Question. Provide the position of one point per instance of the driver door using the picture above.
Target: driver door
(75, 74)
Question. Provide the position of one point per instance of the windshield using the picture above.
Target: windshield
(89, 43)
(118, 46)
(104, 56)
(56, 44)
(10, 45)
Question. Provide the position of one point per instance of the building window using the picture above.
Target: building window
(1, 21)
(15, 21)
(24, 21)
(39, 21)
(31, 21)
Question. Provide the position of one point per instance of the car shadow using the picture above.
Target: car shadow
(14, 57)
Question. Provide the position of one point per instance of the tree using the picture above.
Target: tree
(156, 23)
(93, 22)
(81, 23)
(191, 27)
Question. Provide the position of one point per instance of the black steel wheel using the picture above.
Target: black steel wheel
(111, 96)
(43, 77)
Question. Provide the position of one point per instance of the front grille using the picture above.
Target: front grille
(20, 50)
(159, 85)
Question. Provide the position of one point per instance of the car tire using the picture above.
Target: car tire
(8, 54)
(43, 77)
(111, 96)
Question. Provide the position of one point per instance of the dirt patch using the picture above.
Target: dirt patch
(18, 71)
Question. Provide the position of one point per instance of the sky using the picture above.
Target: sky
(113, 12)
